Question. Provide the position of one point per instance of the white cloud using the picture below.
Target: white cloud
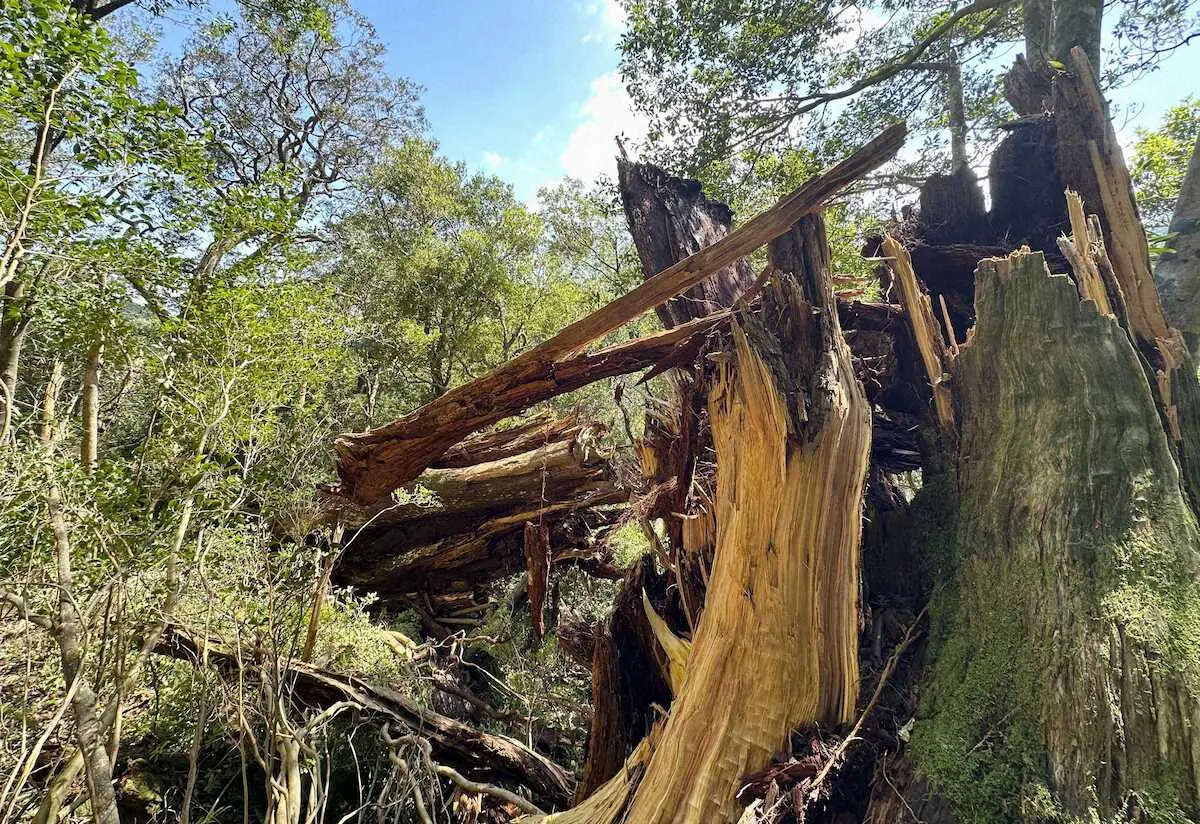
(858, 21)
(494, 160)
(605, 20)
(607, 113)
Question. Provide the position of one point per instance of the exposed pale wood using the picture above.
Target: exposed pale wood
(777, 643)
(676, 649)
(1080, 251)
(372, 464)
(928, 338)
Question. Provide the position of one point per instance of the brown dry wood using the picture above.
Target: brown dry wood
(480, 754)
(372, 464)
(577, 638)
(777, 643)
(537, 570)
(473, 534)
(1093, 164)
(630, 677)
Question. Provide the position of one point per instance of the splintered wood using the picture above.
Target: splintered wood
(1084, 250)
(1093, 164)
(919, 311)
(776, 646)
(372, 464)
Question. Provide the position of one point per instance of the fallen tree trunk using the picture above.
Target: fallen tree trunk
(777, 643)
(549, 471)
(374, 463)
(481, 755)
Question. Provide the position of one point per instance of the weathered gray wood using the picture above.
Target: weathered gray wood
(1068, 633)
(1178, 272)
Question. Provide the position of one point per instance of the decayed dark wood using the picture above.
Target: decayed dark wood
(630, 677)
(477, 754)
(1026, 187)
(372, 464)
(473, 533)
(577, 638)
(952, 209)
(671, 219)
(536, 543)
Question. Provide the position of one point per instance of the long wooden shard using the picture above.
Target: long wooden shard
(776, 645)
(919, 310)
(374, 463)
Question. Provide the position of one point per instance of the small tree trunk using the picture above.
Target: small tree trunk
(88, 445)
(14, 323)
(957, 112)
(69, 633)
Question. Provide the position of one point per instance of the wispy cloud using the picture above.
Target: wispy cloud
(494, 160)
(606, 113)
(605, 20)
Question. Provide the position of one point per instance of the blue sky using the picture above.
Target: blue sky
(526, 89)
(529, 89)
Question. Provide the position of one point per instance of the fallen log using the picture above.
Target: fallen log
(481, 755)
(548, 471)
(372, 464)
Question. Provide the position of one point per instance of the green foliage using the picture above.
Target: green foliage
(251, 255)
(1160, 160)
(722, 79)
(628, 544)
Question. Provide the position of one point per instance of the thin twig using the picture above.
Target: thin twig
(840, 751)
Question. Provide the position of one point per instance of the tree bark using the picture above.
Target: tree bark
(90, 406)
(69, 633)
(670, 219)
(1178, 272)
(1079, 677)
(14, 324)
